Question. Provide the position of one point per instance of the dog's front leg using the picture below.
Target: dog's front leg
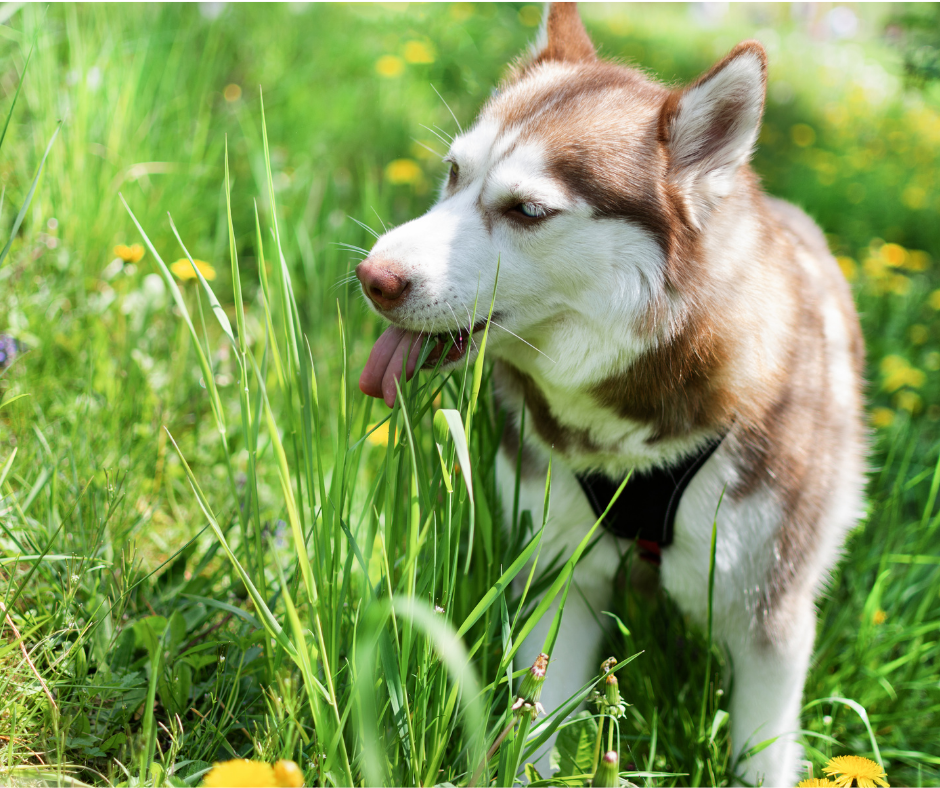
(767, 697)
(576, 656)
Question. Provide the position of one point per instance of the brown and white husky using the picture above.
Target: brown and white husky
(656, 304)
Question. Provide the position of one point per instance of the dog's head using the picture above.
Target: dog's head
(585, 184)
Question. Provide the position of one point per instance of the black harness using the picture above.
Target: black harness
(646, 509)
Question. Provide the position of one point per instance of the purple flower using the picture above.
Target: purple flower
(9, 348)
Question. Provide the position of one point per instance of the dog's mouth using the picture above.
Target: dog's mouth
(455, 343)
(400, 348)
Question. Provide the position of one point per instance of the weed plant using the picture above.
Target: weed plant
(213, 546)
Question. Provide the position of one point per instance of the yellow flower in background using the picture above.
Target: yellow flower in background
(934, 299)
(404, 171)
(802, 135)
(380, 436)
(898, 373)
(917, 260)
(389, 66)
(129, 254)
(183, 270)
(900, 284)
(882, 417)
(848, 769)
(240, 773)
(879, 617)
(287, 774)
(530, 15)
(232, 92)
(894, 255)
(918, 333)
(243, 773)
(849, 267)
(461, 12)
(418, 52)
(914, 197)
(909, 401)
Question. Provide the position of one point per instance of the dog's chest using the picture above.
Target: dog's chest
(570, 423)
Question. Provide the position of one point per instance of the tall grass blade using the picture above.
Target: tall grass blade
(16, 95)
(29, 197)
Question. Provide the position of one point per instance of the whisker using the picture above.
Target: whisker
(380, 220)
(448, 108)
(428, 148)
(451, 139)
(364, 226)
(350, 247)
(493, 322)
(438, 135)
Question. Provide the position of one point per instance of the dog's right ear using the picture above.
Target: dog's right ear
(562, 37)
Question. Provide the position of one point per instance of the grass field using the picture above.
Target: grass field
(207, 551)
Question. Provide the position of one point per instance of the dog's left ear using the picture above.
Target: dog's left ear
(562, 37)
(711, 126)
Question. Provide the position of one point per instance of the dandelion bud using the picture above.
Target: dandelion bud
(532, 682)
(531, 688)
(612, 695)
(608, 770)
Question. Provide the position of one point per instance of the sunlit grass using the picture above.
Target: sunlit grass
(204, 555)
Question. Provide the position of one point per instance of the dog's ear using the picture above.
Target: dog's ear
(562, 37)
(711, 126)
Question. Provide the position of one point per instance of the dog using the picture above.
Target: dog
(662, 315)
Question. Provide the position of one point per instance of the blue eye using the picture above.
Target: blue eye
(530, 209)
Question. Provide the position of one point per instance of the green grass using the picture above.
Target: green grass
(203, 553)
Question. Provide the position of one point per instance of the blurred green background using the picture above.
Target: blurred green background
(354, 98)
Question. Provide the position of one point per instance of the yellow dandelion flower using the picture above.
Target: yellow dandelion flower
(461, 12)
(893, 363)
(848, 769)
(418, 52)
(849, 267)
(914, 197)
(934, 299)
(907, 376)
(917, 260)
(894, 254)
(900, 284)
(402, 171)
(232, 92)
(379, 437)
(183, 270)
(530, 15)
(882, 417)
(813, 782)
(802, 135)
(918, 333)
(287, 774)
(879, 617)
(389, 66)
(909, 401)
(240, 773)
(129, 254)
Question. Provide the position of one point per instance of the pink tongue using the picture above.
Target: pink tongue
(385, 361)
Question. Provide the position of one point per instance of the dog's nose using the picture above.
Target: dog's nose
(383, 281)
